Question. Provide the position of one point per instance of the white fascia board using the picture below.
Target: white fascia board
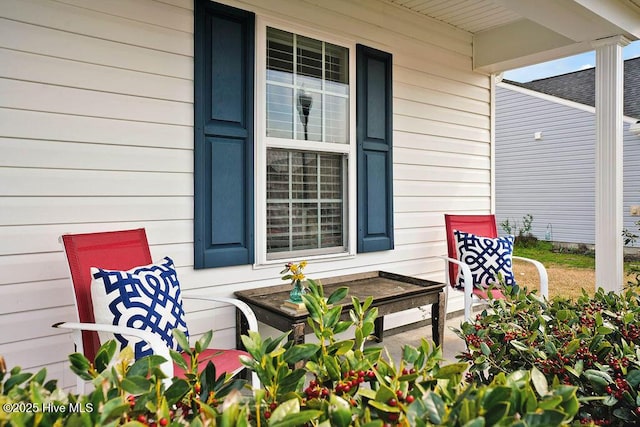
(557, 100)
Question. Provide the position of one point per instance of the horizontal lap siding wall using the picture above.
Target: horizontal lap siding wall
(95, 134)
(96, 112)
(553, 178)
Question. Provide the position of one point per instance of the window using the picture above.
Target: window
(307, 122)
(278, 172)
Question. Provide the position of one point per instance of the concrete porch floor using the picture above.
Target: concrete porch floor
(452, 344)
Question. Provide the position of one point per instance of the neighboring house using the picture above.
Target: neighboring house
(245, 135)
(545, 153)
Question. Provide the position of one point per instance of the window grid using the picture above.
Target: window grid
(327, 128)
(325, 197)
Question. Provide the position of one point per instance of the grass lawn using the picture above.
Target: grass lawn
(569, 273)
(544, 253)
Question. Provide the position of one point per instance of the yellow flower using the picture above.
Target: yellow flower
(303, 264)
(293, 268)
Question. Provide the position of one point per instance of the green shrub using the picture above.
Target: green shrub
(341, 383)
(592, 343)
(524, 238)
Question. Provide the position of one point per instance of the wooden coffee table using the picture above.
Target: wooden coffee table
(391, 293)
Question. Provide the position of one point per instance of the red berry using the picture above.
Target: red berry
(393, 402)
(142, 418)
(164, 422)
(410, 399)
(267, 414)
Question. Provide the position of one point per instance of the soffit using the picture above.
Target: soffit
(469, 15)
(515, 33)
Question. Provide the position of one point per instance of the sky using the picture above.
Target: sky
(565, 65)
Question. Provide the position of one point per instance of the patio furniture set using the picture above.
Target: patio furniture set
(120, 290)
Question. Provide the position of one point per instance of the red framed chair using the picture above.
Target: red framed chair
(480, 225)
(124, 250)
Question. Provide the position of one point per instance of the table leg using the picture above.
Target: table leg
(297, 333)
(438, 317)
(378, 328)
(297, 336)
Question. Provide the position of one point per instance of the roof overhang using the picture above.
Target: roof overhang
(509, 34)
(552, 29)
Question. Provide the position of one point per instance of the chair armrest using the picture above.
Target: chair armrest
(252, 321)
(542, 273)
(468, 283)
(157, 345)
(240, 305)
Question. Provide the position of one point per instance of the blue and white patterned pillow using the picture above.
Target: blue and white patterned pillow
(146, 297)
(486, 257)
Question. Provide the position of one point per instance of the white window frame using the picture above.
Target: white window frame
(263, 142)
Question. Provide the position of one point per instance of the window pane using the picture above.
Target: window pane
(335, 110)
(304, 172)
(309, 62)
(278, 232)
(305, 206)
(331, 223)
(336, 69)
(304, 226)
(331, 177)
(279, 56)
(278, 175)
(307, 88)
(279, 111)
(309, 110)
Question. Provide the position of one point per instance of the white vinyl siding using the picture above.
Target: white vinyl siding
(96, 133)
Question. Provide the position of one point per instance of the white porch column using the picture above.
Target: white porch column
(609, 200)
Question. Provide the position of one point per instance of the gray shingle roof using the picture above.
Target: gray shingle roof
(579, 86)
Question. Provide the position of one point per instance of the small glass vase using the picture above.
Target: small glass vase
(296, 293)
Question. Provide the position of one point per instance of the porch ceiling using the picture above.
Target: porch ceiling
(515, 33)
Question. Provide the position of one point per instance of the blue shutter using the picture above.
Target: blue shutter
(223, 133)
(374, 137)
